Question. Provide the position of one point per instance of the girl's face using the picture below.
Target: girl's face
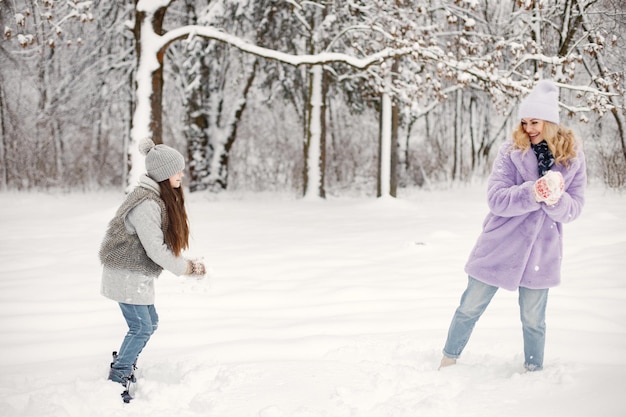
(176, 180)
(534, 129)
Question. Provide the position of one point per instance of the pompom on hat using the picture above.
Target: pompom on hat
(162, 161)
(542, 103)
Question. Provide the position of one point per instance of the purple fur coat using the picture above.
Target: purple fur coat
(521, 244)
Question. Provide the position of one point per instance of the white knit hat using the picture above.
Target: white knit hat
(542, 103)
(162, 161)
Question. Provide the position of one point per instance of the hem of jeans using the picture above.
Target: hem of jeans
(449, 355)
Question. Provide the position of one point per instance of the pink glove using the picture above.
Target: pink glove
(549, 188)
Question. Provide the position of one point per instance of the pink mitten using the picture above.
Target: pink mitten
(549, 188)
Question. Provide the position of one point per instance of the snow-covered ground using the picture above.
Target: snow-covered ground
(313, 308)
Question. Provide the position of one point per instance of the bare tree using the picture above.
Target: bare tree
(451, 72)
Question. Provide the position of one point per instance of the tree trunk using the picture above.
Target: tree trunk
(314, 147)
(395, 126)
(388, 144)
(456, 166)
(149, 88)
(3, 145)
(217, 178)
(384, 147)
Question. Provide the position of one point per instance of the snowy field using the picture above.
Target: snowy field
(331, 308)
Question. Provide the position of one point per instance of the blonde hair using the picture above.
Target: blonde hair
(561, 141)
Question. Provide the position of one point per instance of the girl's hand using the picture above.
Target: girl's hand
(196, 269)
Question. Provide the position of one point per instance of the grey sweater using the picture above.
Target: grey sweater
(135, 254)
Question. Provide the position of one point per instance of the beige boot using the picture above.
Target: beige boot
(446, 361)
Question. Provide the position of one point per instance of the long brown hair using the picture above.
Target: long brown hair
(561, 141)
(177, 233)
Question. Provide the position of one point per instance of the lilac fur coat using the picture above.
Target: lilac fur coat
(521, 244)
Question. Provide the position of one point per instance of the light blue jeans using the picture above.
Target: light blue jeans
(475, 300)
(142, 321)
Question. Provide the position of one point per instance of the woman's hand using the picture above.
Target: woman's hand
(549, 188)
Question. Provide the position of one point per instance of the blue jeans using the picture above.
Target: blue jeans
(142, 321)
(475, 300)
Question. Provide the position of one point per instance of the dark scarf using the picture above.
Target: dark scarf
(545, 159)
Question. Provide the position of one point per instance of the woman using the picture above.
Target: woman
(530, 194)
(147, 234)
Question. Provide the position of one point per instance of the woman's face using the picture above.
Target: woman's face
(176, 180)
(534, 129)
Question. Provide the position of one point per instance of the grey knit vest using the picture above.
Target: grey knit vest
(122, 250)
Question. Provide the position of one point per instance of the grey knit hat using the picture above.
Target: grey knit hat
(162, 161)
(542, 103)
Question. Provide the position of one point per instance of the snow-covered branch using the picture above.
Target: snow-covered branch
(295, 60)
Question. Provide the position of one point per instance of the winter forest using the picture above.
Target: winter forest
(337, 155)
(307, 97)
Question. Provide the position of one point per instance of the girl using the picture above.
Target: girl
(146, 235)
(530, 194)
